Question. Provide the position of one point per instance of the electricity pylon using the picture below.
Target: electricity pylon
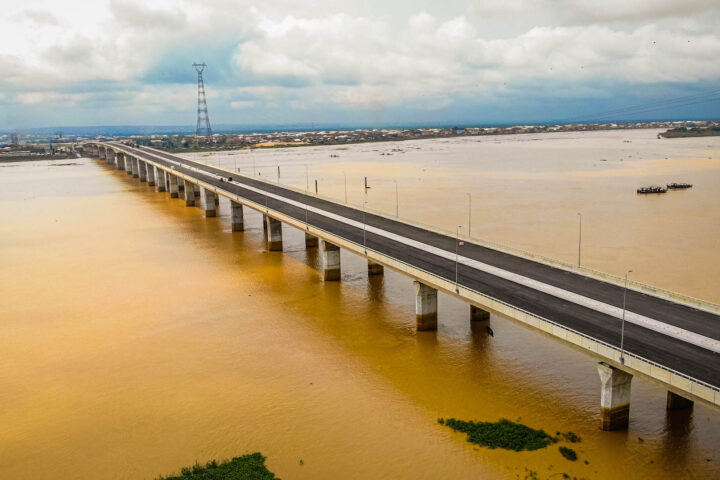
(203, 120)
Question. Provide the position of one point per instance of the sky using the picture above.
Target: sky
(369, 63)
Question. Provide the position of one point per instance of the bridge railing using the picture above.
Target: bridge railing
(589, 272)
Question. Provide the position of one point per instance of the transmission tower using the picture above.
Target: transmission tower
(203, 120)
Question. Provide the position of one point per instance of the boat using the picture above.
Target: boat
(652, 189)
(675, 186)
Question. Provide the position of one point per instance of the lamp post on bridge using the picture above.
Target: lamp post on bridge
(457, 257)
(622, 327)
(579, 236)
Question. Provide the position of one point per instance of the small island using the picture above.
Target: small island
(679, 132)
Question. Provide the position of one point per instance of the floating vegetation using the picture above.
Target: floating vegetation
(568, 453)
(569, 437)
(503, 434)
(247, 467)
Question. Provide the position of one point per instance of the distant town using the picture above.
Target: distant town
(15, 146)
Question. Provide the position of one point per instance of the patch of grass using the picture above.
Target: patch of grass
(568, 453)
(247, 467)
(503, 434)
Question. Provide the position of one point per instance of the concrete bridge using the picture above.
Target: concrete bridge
(671, 339)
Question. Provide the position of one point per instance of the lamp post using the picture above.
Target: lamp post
(457, 243)
(622, 327)
(397, 200)
(469, 213)
(579, 236)
(364, 238)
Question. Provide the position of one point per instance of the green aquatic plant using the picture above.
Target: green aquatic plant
(247, 467)
(502, 434)
(568, 453)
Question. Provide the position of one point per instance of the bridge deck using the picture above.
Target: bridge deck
(675, 353)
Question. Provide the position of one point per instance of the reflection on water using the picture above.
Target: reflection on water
(139, 336)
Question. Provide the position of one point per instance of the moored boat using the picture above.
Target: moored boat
(652, 189)
(675, 185)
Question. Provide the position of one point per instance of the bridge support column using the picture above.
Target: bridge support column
(109, 154)
(120, 161)
(189, 195)
(614, 397)
(196, 189)
(150, 174)
(208, 201)
(375, 268)
(160, 180)
(238, 221)
(128, 164)
(477, 314)
(181, 184)
(273, 234)
(311, 241)
(134, 167)
(142, 170)
(425, 307)
(331, 261)
(173, 185)
(677, 402)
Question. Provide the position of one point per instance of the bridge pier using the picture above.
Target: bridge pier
(425, 307)
(311, 241)
(142, 170)
(160, 180)
(614, 397)
(173, 185)
(273, 234)
(150, 174)
(189, 195)
(375, 268)
(237, 218)
(108, 154)
(196, 190)
(677, 402)
(331, 261)
(128, 164)
(477, 314)
(120, 161)
(208, 201)
(135, 167)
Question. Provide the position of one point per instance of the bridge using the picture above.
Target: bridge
(669, 338)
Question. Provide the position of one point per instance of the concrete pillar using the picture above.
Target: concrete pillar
(311, 241)
(142, 170)
(425, 307)
(120, 161)
(189, 195)
(614, 397)
(238, 222)
(273, 234)
(331, 261)
(136, 167)
(477, 314)
(108, 153)
(160, 180)
(173, 185)
(181, 184)
(677, 402)
(150, 174)
(208, 201)
(375, 268)
(196, 189)
(128, 164)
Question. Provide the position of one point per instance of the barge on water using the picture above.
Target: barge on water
(675, 186)
(652, 189)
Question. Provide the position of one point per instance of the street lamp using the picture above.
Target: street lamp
(469, 213)
(457, 243)
(364, 238)
(622, 328)
(397, 200)
(579, 236)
